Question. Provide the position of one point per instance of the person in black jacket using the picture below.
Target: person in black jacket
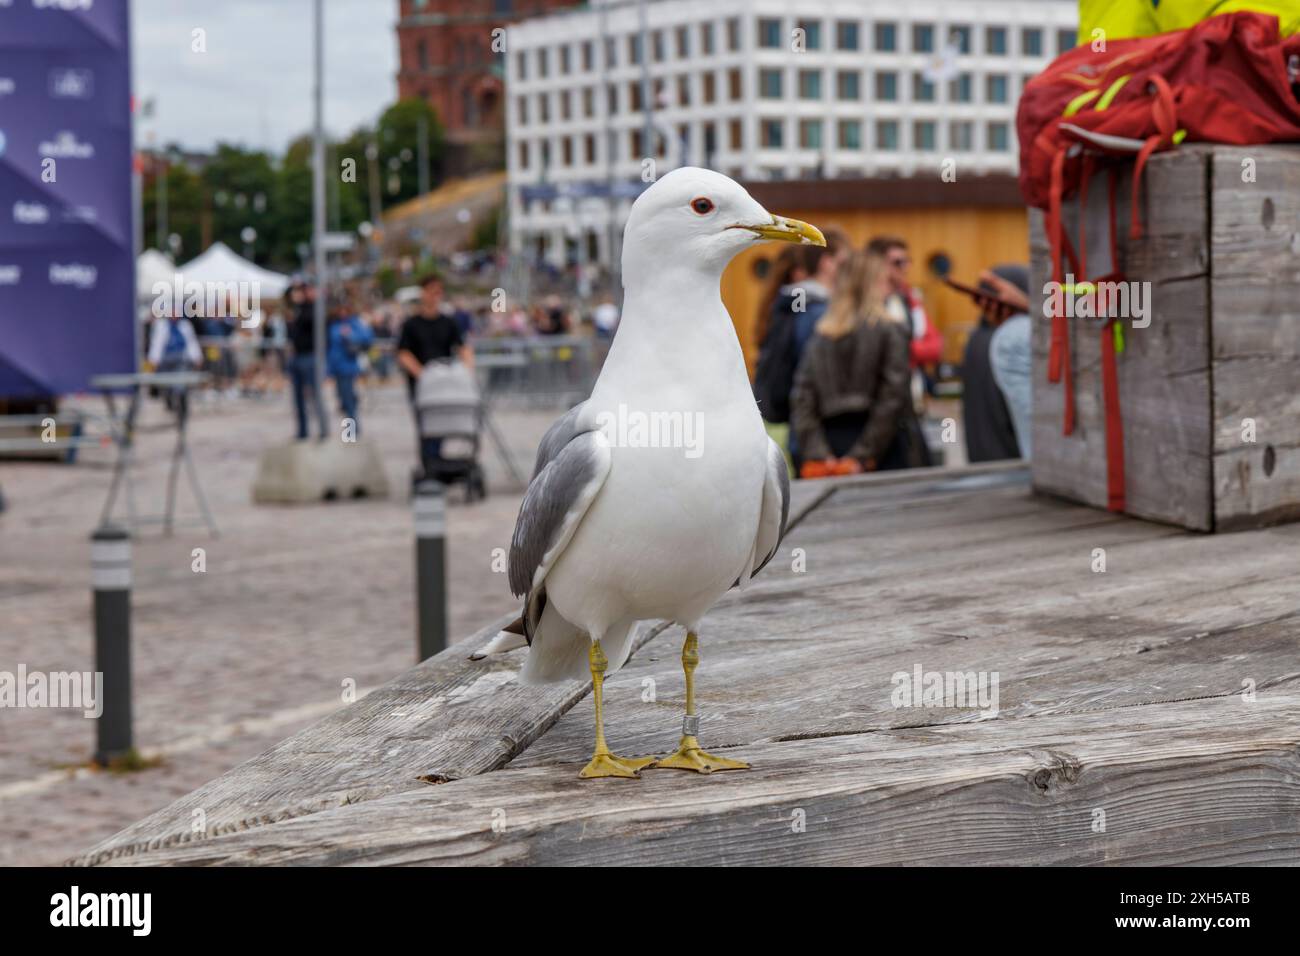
(301, 300)
(990, 433)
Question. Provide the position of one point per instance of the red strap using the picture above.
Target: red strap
(1165, 115)
(1089, 164)
(1115, 500)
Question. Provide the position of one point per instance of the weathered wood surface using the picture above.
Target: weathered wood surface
(1164, 372)
(1120, 691)
(1222, 254)
(1255, 328)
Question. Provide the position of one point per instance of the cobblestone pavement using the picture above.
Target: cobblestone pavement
(295, 601)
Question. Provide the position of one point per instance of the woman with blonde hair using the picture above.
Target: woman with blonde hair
(851, 392)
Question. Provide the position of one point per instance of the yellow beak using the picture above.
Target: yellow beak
(787, 230)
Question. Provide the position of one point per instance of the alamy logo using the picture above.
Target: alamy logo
(1098, 300)
(134, 910)
(74, 690)
(966, 689)
(213, 300)
(631, 428)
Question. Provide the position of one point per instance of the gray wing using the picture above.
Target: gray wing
(565, 428)
(776, 507)
(572, 464)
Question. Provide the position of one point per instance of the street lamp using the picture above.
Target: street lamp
(249, 235)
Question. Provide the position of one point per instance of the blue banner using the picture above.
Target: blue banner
(67, 264)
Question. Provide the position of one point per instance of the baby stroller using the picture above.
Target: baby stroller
(448, 414)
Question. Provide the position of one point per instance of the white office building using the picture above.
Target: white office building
(757, 89)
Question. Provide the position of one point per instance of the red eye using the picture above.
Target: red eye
(702, 205)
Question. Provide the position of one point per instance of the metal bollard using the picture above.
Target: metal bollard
(430, 569)
(110, 564)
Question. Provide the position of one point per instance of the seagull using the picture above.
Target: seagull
(662, 491)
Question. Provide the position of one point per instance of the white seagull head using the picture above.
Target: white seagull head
(700, 216)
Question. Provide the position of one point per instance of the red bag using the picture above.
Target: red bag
(1229, 79)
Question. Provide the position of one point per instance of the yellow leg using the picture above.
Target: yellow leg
(689, 756)
(603, 763)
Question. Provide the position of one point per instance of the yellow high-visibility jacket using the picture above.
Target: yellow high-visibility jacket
(1144, 18)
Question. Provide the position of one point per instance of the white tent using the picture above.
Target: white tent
(150, 268)
(220, 264)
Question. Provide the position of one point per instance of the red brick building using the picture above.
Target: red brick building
(446, 58)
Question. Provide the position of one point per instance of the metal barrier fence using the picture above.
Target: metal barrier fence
(554, 371)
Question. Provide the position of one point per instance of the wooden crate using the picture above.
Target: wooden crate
(1222, 256)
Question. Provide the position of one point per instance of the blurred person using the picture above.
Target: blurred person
(430, 335)
(797, 297)
(850, 404)
(173, 347)
(605, 317)
(990, 431)
(904, 301)
(349, 338)
(302, 367)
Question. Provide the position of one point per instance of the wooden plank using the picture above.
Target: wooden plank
(446, 718)
(1255, 326)
(1200, 782)
(1164, 372)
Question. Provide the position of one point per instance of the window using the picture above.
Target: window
(850, 134)
(589, 102)
(588, 56)
(886, 37)
(684, 90)
(567, 156)
(710, 143)
(1031, 42)
(846, 35)
(521, 65)
(546, 154)
(922, 89)
(887, 86)
(995, 88)
(635, 144)
(995, 41)
(611, 53)
(771, 133)
(810, 134)
(634, 49)
(961, 136)
(999, 137)
(590, 149)
(960, 38)
(769, 84)
(887, 134)
(521, 109)
(810, 84)
(634, 102)
(564, 59)
(657, 45)
(565, 106)
(543, 62)
(923, 136)
(812, 34)
(611, 99)
(710, 84)
(733, 34)
(1064, 40)
(922, 38)
(848, 85)
(544, 107)
(769, 33)
(735, 85)
(706, 38)
(959, 88)
(736, 134)
(523, 154)
(683, 42)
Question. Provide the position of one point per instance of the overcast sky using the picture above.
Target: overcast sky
(253, 86)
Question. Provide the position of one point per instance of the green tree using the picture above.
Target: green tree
(397, 134)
